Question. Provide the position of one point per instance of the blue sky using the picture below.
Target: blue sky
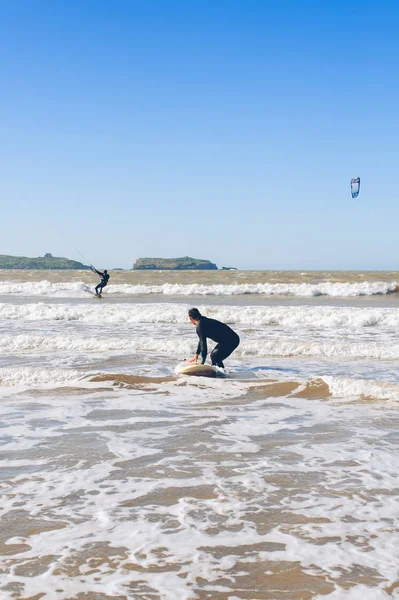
(226, 130)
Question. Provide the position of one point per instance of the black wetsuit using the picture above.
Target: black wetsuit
(227, 340)
(103, 282)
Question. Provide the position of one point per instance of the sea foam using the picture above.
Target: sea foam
(76, 289)
(247, 316)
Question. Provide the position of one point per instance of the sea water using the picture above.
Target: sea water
(120, 480)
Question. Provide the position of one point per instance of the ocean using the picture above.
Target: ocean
(120, 480)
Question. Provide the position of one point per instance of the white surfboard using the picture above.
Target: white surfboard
(187, 368)
(86, 288)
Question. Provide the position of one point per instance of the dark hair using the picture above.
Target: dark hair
(105, 271)
(194, 313)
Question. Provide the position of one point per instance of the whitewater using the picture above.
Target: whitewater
(120, 480)
(46, 288)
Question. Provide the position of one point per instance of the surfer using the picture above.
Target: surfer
(227, 339)
(104, 280)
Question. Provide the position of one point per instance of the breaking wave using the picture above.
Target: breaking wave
(322, 317)
(76, 289)
(181, 347)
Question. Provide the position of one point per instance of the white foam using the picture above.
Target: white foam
(184, 346)
(222, 490)
(269, 289)
(330, 349)
(43, 288)
(76, 289)
(325, 317)
(357, 592)
(23, 376)
(348, 388)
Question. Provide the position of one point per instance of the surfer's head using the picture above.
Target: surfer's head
(194, 315)
(105, 271)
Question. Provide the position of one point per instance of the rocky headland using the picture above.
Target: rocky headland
(185, 263)
(45, 262)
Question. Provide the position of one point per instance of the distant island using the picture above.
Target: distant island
(185, 263)
(46, 262)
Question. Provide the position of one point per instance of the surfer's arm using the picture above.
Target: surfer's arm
(202, 348)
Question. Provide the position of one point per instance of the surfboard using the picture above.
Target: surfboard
(187, 368)
(86, 288)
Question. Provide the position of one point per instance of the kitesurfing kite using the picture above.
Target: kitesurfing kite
(355, 187)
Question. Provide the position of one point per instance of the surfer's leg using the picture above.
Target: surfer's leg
(223, 350)
(215, 356)
(219, 353)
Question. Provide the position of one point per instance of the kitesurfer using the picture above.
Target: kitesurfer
(104, 280)
(227, 339)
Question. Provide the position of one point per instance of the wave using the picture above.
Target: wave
(330, 349)
(347, 388)
(43, 288)
(266, 289)
(182, 347)
(75, 289)
(22, 376)
(322, 317)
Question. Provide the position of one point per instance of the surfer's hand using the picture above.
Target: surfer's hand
(194, 360)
